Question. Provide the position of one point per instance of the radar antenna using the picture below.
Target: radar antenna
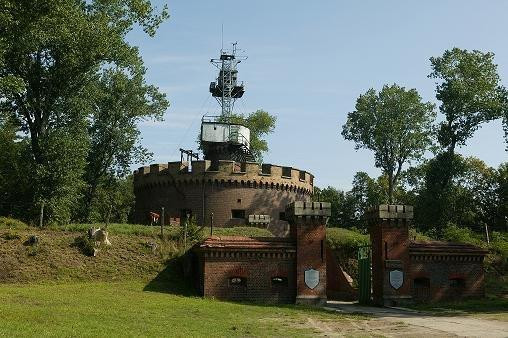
(226, 89)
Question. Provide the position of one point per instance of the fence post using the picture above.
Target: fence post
(42, 214)
(211, 224)
(162, 222)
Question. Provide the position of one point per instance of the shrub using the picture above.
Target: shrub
(499, 245)
(194, 233)
(453, 233)
(85, 245)
(346, 240)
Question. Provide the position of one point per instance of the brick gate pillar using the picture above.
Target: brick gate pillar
(388, 228)
(308, 228)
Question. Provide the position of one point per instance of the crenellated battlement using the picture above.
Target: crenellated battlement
(389, 212)
(247, 174)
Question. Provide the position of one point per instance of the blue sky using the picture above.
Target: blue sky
(308, 62)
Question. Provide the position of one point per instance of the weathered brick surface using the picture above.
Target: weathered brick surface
(257, 261)
(204, 192)
(442, 263)
(390, 251)
(308, 229)
(310, 255)
(433, 271)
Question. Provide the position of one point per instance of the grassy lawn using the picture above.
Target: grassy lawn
(128, 309)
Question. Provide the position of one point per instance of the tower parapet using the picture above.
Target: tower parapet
(247, 174)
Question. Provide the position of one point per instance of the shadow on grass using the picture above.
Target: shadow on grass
(171, 280)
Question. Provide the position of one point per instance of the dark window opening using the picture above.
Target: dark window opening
(214, 165)
(421, 282)
(322, 251)
(302, 175)
(266, 169)
(239, 200)
(279, 281)
(237, 281)
(237, 213)
(457, 283)
(286, 171)
(282, 216)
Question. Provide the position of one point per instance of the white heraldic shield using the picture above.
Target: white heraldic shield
(311, 278)
(396, 279)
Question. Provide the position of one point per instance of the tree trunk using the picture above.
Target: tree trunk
(390, 188)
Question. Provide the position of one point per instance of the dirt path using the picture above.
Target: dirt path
(419, 324)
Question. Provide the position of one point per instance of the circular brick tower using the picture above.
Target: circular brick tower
(235, 193)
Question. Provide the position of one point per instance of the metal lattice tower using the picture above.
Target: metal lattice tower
(227, 89)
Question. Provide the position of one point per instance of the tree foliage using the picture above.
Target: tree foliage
(395, 124)
(52, 55)
(470, 92)
(473, 199)
(120, 102)
(260, 123)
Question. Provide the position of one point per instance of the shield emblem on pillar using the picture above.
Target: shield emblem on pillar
(311, 278)
(396, 279)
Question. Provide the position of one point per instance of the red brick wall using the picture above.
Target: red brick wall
(440, 270)
(258, 272)
(390, 251)
(219, 199)
(433, 271)
(310, 254)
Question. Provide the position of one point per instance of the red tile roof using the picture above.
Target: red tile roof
(240, 242)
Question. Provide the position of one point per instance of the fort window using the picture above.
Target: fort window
(237, 213)
(282, 216)
(286, 171)
(457, 283)
(279, 281)
(266, 169)
(237, 281)
(421, 288)
(302, 175)
(421, 282)
(239, 200)
(214, 165)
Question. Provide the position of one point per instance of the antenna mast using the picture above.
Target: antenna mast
(226, 90)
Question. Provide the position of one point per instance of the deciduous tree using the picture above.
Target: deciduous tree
(470, 91)
(395, 124)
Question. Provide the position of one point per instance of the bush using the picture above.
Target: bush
(194, 233)
(453, 233)
(346, 240)
(499, 245)
(85, 245)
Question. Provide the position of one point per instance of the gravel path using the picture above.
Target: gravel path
(462, 326)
